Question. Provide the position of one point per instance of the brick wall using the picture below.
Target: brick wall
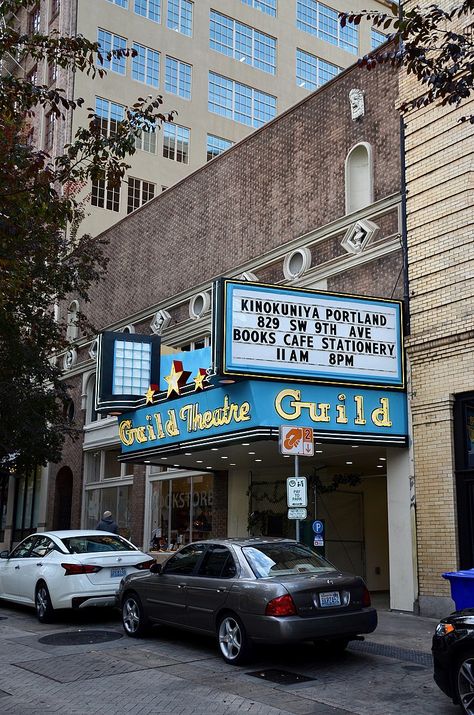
(440, 218)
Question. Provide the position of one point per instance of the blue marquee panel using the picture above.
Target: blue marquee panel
(256, 405)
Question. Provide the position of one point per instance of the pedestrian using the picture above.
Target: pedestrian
(107, 523)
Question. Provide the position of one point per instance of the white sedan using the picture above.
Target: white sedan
(68, 569)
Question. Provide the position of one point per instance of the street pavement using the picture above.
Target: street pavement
(182, 674)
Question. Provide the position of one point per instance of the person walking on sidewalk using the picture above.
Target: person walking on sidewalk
(107, 523)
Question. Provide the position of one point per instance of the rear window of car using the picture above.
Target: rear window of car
(96, 544)
(270, 560)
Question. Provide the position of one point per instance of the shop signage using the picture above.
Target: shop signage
(296, 493)
(307, 335)
(296, 440)
(224, 413)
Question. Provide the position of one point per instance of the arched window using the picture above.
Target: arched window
(359, 178)
(72, 330)
(91, 414)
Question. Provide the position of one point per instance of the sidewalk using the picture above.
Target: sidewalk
(404, 630)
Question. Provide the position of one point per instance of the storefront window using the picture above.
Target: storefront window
(181, 510)
(108, 488)
(27, 496)
(114, 499)
(3, 504)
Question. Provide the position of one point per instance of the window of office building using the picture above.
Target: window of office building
(34, 21)
(146, 140)
(108, 42)
(267, 6)
(216, 145)
(49, 130)
(181, 509)
(120, 3)
(322, 21)
(55, 7)
(312, 71)
(151, 9)
(146, 65)
(108, 487)
(105, 197)
(110, 114)
(239, 102)
(180, 16)
(242, 42)
(139, 192)
(376, 38)
(178, 78)
(176, 142)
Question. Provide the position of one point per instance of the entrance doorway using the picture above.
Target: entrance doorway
(63, 500)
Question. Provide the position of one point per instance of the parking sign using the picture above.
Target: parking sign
(296, 492)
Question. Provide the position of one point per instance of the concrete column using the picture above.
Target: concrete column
(238, 503)
(43, 505)
(401, 541)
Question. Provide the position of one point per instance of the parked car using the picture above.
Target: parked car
(453, 658)
(68, 569)
(247, 591)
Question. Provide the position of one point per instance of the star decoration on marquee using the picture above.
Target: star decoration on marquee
(149, 394)
(200, 379)
(177, 377)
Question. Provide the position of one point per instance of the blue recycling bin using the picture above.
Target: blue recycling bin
(462, 588)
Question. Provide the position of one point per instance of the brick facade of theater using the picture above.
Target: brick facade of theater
(279, 189)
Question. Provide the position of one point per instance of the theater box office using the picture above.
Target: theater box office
(295, 357)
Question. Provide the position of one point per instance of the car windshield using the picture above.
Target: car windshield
(281, 559)
(94, 543)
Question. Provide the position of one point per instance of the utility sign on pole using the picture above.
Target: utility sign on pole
(296, 440)
(296, 492)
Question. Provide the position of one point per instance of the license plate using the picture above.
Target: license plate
(331, 598)
(117, 573)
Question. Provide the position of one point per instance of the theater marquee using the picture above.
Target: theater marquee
(306, 335)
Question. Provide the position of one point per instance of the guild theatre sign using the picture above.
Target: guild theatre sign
(279, 356)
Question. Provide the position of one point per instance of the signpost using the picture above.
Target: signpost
(297, 441)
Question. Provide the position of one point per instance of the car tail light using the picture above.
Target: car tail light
(143, 565)
(75, 569)
(281, 606)
(366, 602)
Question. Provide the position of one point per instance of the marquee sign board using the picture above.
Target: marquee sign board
(299, 334)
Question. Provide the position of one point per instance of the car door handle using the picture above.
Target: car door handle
(39, 563)
(181, 585)
(17, 568)
(220, 590)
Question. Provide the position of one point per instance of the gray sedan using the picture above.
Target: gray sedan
(248, 591)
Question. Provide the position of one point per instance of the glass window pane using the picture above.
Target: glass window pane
(184, 562)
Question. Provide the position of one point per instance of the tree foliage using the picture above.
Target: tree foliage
(431, 43)
(42, 260)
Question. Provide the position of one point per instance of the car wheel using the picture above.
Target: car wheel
(135, 623)
(234, 643)
(43, 605)
(332, 646)
(464, 682)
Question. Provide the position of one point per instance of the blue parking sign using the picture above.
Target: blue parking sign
(318, 527)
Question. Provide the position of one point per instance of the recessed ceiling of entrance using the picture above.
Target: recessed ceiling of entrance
(264, 455)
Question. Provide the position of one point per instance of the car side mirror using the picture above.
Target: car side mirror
(155, 568)
(4, 554)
